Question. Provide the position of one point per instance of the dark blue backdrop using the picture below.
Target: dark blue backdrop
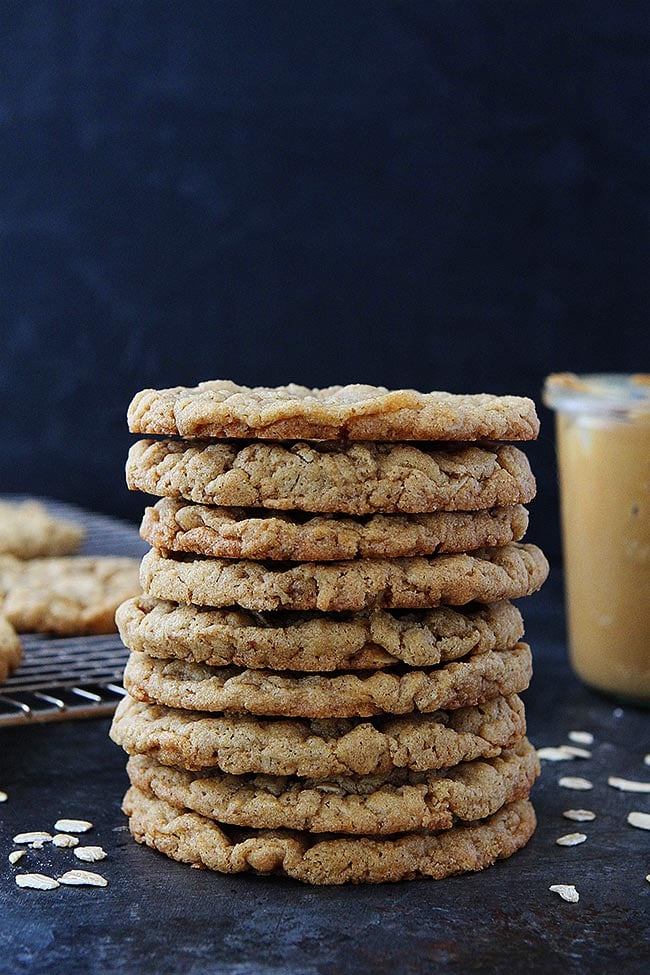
(444, 194)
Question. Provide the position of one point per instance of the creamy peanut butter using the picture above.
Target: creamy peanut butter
(603, 440)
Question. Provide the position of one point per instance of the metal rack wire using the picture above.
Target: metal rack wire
(73, 677)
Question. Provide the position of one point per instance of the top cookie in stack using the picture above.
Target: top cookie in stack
(319, 583)
(221, 408)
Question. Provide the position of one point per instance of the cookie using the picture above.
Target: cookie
(336, 859)
(245, 533)
(10, 649)
(221, 408)
(28, 530)
(178, 684)
(395, 803)
(314, 641)
(68, 596)
(241, 743)
(487, 575)
(353, 479)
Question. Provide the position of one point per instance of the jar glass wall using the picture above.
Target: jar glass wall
(603, 443)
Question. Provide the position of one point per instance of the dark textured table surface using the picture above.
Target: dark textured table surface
(157, 916)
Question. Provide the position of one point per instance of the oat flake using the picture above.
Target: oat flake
(3, 796)
(581, 737)
(563, 753)
(579, 815)
(639, 819)
(575, 782)
(566, 891)
(73, 825)
(65, 840)
(576, 752)
(554, 754)
(37, 881)
(571, 839)
(36, 837)
(628, 785)
(83, 878)
(90, 854)
(16, 855)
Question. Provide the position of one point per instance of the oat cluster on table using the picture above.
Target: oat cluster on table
(325, 660)
(565, 753)
(37, 840)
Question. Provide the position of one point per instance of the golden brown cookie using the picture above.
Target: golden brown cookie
(477, 678)
(220, 408)
(487, 576)
(332, 859)
(68, 596)
(241, 743)
(28, 531)
(244, 533)
(315, 641)
(353, 479)
(381, 804)
(10, 649)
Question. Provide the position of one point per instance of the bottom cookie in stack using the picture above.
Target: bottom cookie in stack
(328, 859)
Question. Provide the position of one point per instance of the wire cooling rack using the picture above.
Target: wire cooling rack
(74, 677)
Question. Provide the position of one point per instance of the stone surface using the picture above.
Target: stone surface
(157, 917)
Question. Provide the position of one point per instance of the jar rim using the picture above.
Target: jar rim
(601, 393)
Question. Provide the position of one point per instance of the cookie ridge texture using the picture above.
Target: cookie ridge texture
(174, 526)
(221, 408)
(353, 479)
(315, 641)
(487, 575)
(377, 805)
(461, 683)
(242, 744)
(313, 859)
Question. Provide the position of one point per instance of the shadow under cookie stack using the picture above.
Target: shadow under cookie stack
(325, 661)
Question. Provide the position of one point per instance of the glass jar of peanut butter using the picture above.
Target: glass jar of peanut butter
(603, 443)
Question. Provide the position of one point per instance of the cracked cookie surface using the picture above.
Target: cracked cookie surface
(221, 408)
(379, 805)
(461, 683)
(243, 533)
(29, 531)
(353, 479)
(324, 748)
(487, 575)
(336, 859)
(69, 596)
(314, 641)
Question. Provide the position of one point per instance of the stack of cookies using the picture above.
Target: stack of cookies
(325, 661)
